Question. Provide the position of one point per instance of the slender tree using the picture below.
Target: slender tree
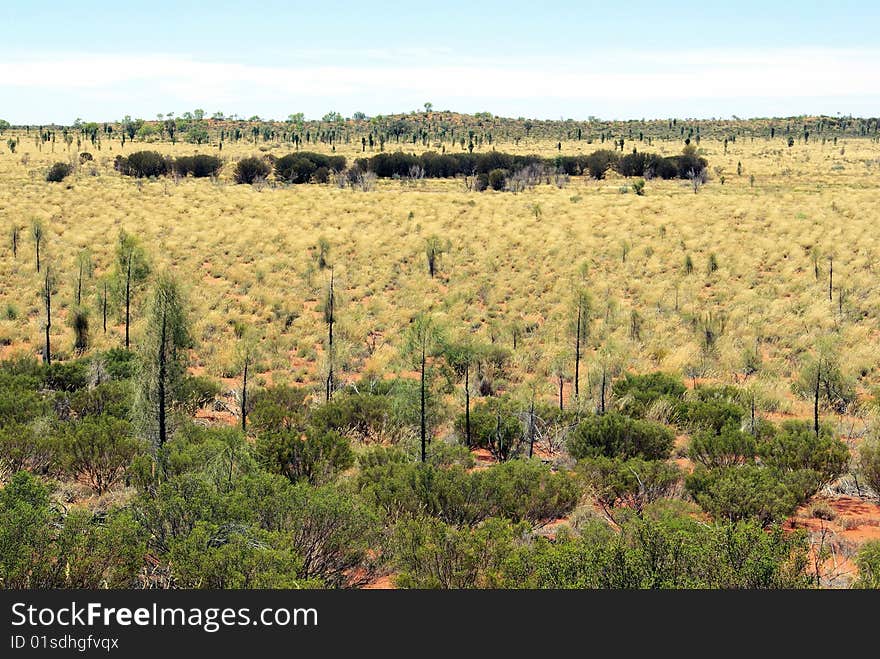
(246, 357)
(15, 234)
(37, 232)
(583, 305)
(131, 270)
(47, 305)
(330, 319)
(163, 352)
(423, 339)
(461, 356)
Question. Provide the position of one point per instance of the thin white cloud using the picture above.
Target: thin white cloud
(622, 76)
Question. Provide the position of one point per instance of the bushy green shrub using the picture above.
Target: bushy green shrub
(868, 562)
(636, 393)
(727, 448)
(248, 170)
(741, 493)
(58, 172)
(143, 164)
(633, 483)
(200, 165)
(497, 179)
(315, 457)
(796, 447)
(98, 450)
(614, 435)
(495, 425)
(278, 408)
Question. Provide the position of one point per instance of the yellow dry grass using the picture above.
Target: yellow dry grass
(248, 255)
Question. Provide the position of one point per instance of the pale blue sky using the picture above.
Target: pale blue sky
(101, 60)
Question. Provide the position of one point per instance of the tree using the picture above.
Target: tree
(582, 309)
(15, 235)
(822, 380)
(79, 322)
(37, 232)
(330, 319)
(423, 338)
(163, 352)
(131, 270)
(246, 356)
(614, 435)
(461, 356)
(434, 249)
(47, 305)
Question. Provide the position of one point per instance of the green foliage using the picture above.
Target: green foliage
(636, 393)
(495, 425)
(196, 392)
(200, 165)
(519, 490)
(428, 553)
(708, 415)
(728, 448)
(836, 391)
(249, 170)
(632, 483)
(24, 448)
(316, 456)
(278, 408)
(869, 462)
(615, 435)
(143, 164)
(162, 378)
(58, 172)
(98, 450)
(868, 562)
(741, 493)
(796, 447)
(497, 179)
(42, 548)
(671, 552)
(112, 398)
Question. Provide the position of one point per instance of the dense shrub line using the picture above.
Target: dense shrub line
(492, 169)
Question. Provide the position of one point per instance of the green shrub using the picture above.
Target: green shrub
(614, 435)
(317, 457)
(634, 483)
(497, 179)
(119, 363)
(730, 447)
(869, 462)
(143, 164)
(796, 447)
(112, 398)
(868, 562)
(428, 553)
(741, 493)
(709, 415)
(200, 166)
(278, 408)
(636, 393)
(66, 376)
(197, 392)
(24, 449)
(248, 170)
(495, 426)
(98, 450)
(58, 172)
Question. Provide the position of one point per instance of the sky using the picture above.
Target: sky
(100, 61)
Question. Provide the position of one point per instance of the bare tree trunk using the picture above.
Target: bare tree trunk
(127, 300)
(104, 307)
(467, 405)
(532, 428)
(602, 397)
(47, 354)
(830, 277)
(244, 395)
(331, 319)
(577, 355)
(561, 380)
(816, 400)
(424, 434)
(162, 369)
